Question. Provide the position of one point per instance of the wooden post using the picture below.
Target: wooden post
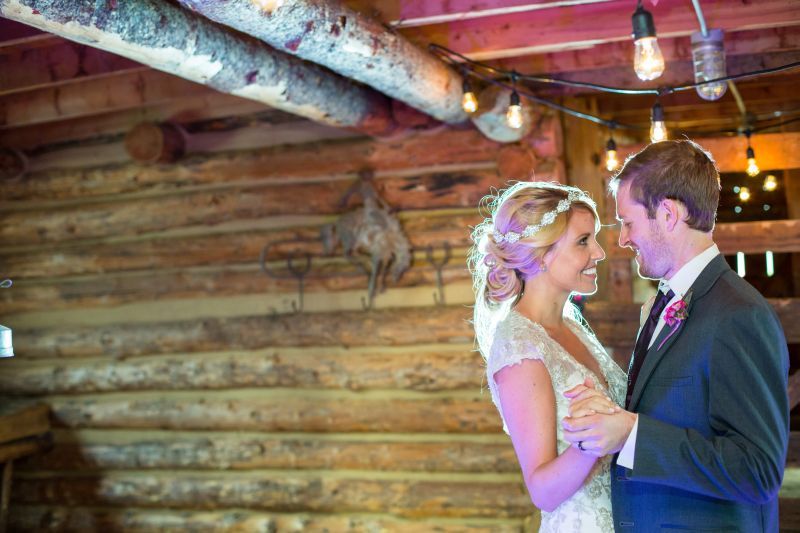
(791, 179)
(8, 469)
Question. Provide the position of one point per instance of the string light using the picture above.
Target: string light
(658, 128)
(648, 62)
(611, 155)
(708, 56)
(514, 113)
(770, 183)
(744, 194)
(770, 264)
(752, 168)
(468, 101)
(740, 264)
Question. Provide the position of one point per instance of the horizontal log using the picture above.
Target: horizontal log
(283, 491)
(420, 367)
(774, 151)
(106, 127)
(115, 92)
(114, 218)
(241, 245)
(20, 422)
(300, 410)
(58, 62)
(278, 163)
(35, 517)
(778, 236)
(614, 324)
(112, 450)
(327, 275)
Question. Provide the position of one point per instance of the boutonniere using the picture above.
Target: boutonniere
(675, 315)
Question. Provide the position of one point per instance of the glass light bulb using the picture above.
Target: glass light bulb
(770, 183)
(648, 62)
(752, 167)
(658, 131)
(708, 56)
(611, 160)
(469, 103)
(744, 194)
(514, 116)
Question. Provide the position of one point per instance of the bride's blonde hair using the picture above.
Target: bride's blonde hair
(500, 269)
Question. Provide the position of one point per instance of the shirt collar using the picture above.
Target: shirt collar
(688, 273)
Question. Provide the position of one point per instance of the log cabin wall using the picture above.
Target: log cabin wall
(184, 390)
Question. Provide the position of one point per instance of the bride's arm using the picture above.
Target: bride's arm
(529, 409)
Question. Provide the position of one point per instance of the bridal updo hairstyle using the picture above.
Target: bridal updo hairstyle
(500, 269)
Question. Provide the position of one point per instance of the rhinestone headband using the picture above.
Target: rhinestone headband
(574, 195)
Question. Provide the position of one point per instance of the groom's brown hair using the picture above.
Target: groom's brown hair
(677, 170)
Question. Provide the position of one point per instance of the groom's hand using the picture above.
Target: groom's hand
(599, 434)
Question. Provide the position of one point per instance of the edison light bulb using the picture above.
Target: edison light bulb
(648, 62)
(611, 156)
(514, 114)
(658, 128)
(744, 194)
(770, 183)
(752, 167)
(468, 102)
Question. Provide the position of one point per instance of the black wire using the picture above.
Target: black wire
(660, 91)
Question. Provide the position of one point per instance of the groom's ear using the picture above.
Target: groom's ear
(672, 212)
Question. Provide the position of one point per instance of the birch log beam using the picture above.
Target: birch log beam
(171, 39)
(330, 34)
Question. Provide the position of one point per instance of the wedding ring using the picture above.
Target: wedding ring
(580, 446)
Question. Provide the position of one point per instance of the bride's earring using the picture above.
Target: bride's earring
(544, 268)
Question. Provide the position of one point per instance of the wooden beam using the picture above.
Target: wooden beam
(774, 151)
(106, 450)
(614, 323)
(17, 422)
(142, 87)
(202, 52)
(420, 368)
(317, 492)
(303, 411)
(34, 67)
(559, 28)
(357, 47)
(76, 518)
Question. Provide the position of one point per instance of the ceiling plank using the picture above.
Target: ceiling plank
(575, 27)
(32, 67)
(408, 13)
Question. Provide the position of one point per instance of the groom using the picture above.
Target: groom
(702, 442)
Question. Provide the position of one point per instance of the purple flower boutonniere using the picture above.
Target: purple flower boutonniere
(675, 315)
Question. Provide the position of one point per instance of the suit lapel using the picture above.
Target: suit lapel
(699, 288)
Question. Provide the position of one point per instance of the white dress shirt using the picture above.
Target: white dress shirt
(680, 283)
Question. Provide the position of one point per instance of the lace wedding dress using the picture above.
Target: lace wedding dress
(517, 338)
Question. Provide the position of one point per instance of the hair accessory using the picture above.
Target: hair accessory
(574, 195)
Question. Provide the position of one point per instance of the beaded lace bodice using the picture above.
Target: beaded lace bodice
(516, 339)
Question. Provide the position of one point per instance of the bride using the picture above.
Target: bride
(537, 248)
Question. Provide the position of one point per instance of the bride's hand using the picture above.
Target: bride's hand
(597, 403)
(585, 400)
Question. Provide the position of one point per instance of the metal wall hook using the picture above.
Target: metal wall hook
(438, 296)
(297, 272)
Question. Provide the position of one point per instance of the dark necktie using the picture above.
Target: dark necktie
(643, 341)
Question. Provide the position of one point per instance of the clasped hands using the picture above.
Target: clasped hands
(595, 421)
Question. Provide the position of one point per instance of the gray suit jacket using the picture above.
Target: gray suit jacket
(713, 417)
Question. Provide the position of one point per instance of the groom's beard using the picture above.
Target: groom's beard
(653, 259)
